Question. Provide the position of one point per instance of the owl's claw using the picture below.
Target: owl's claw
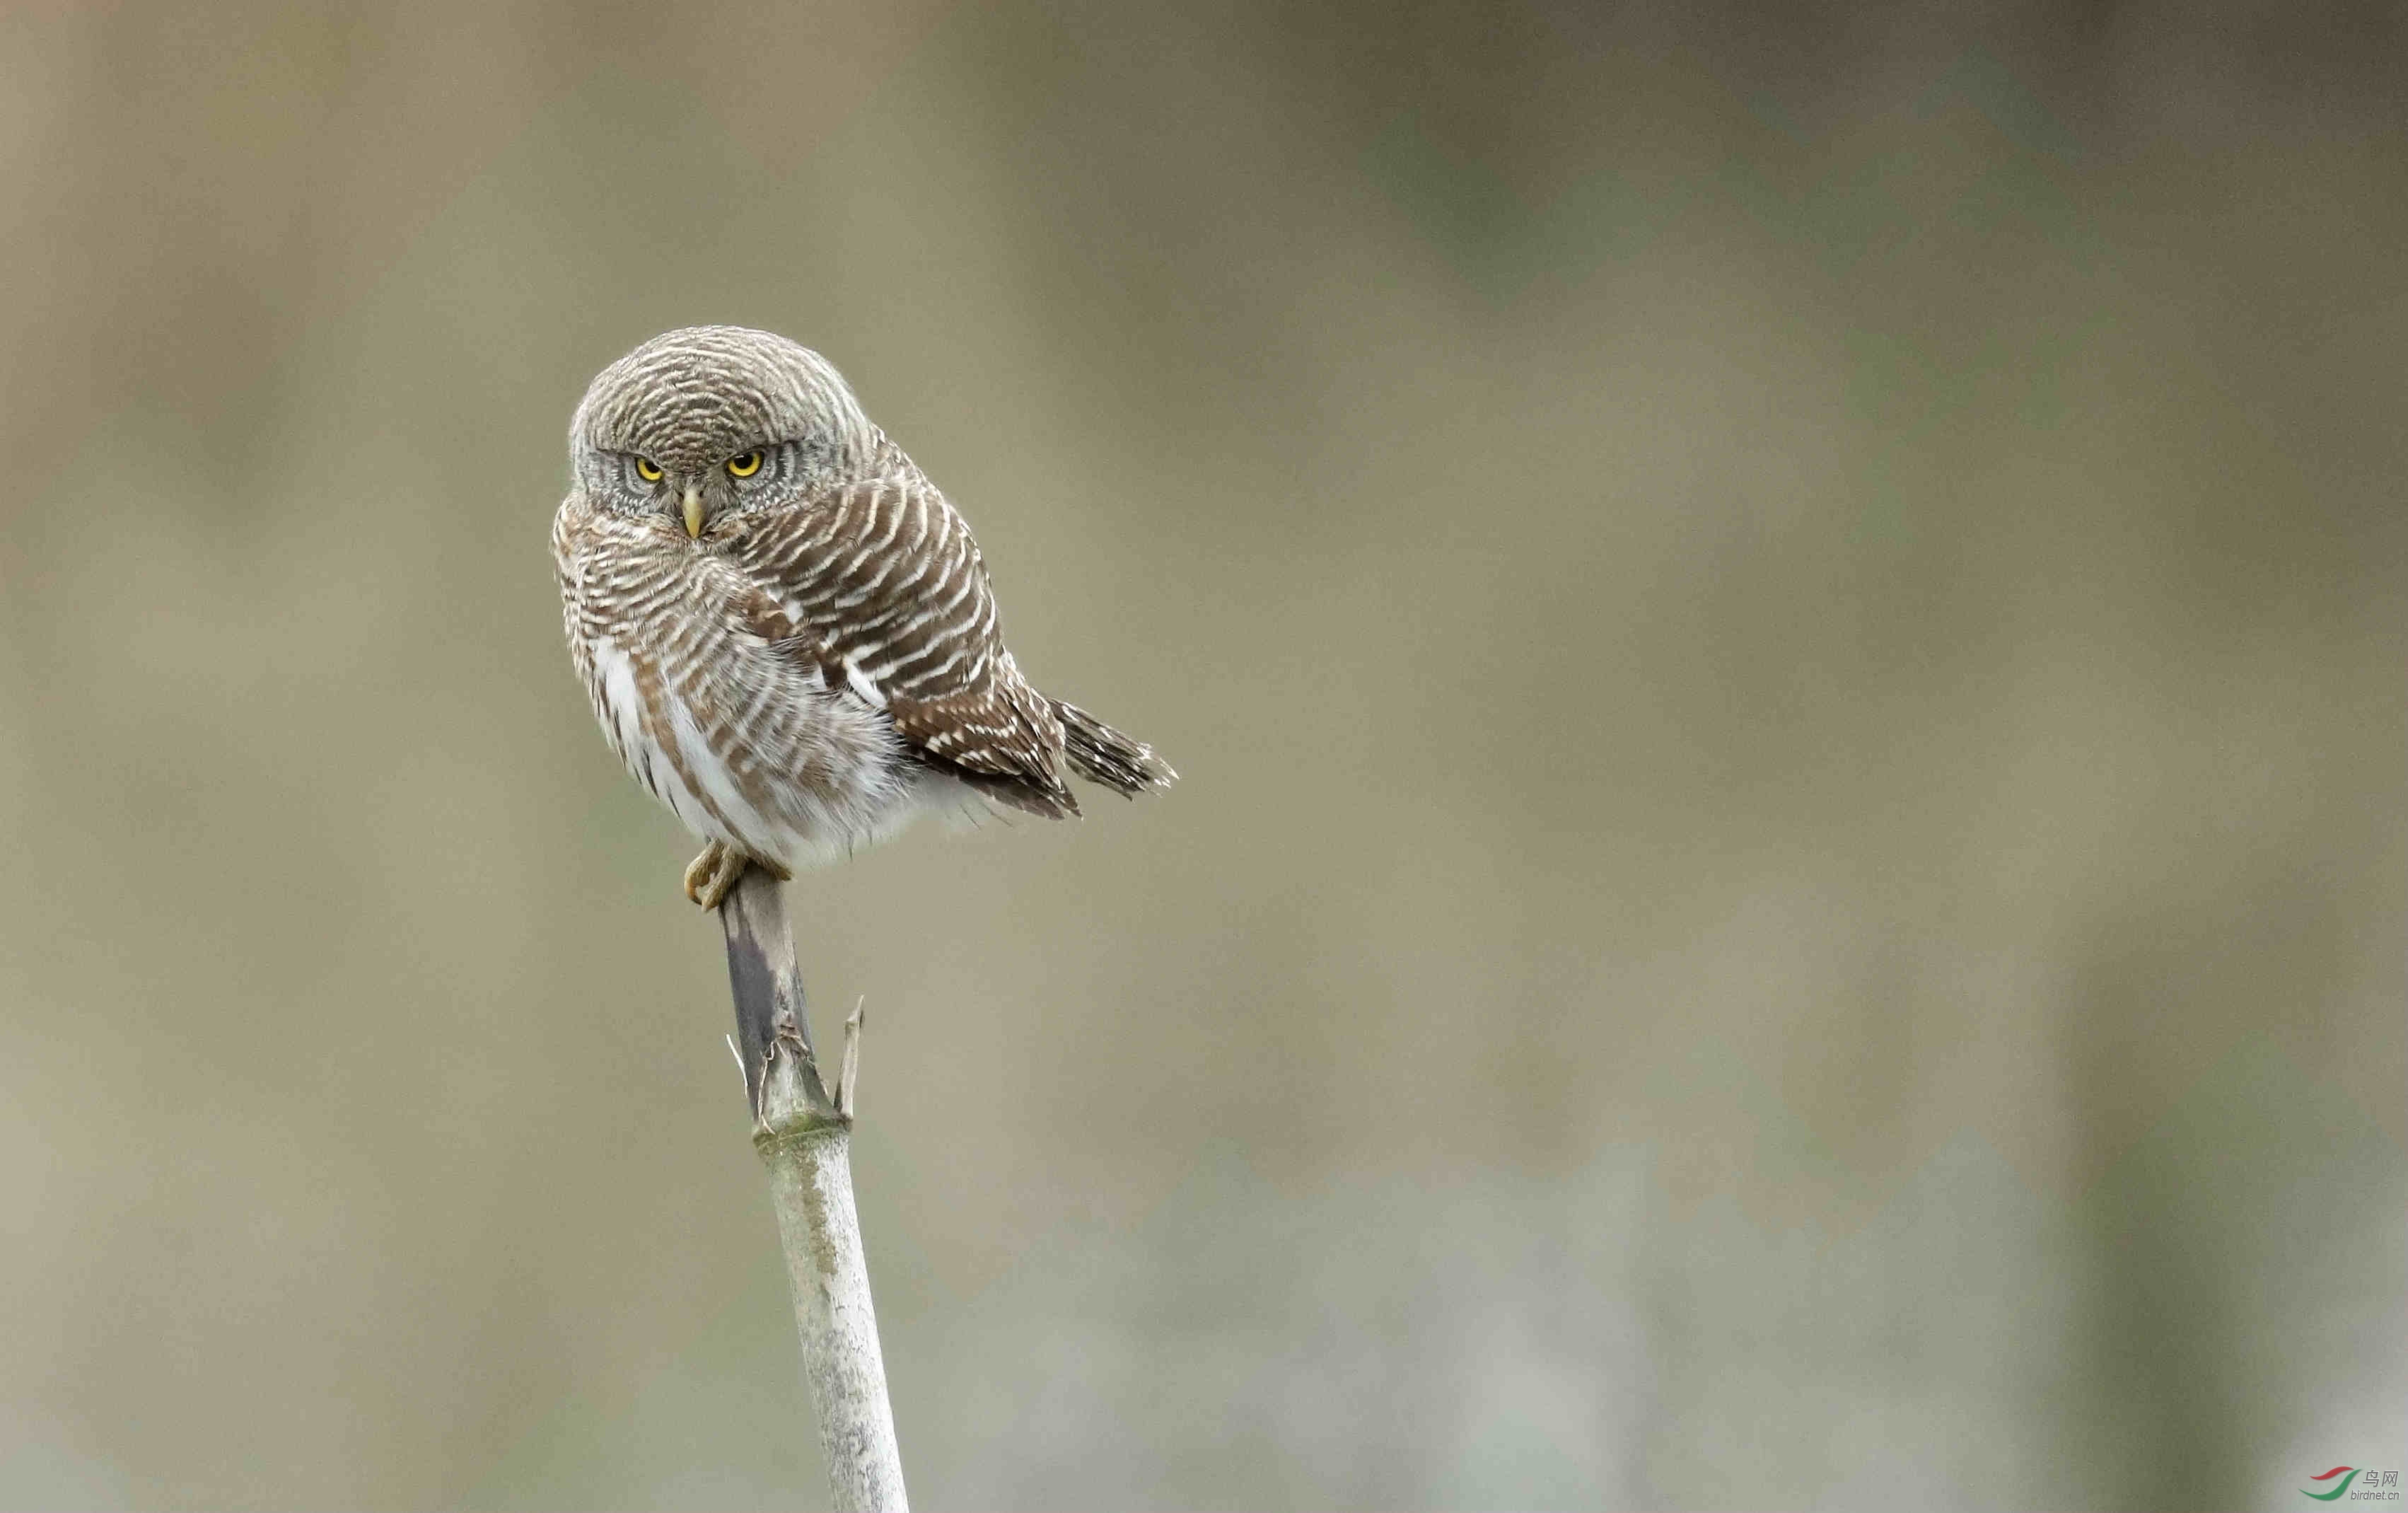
(711, 876)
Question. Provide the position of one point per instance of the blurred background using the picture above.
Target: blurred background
(1786, 639)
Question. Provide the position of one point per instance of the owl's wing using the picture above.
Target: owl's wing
(879, 586)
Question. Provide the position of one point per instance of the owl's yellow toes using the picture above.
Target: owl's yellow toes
(711, 876)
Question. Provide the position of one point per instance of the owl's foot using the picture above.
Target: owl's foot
(711, 876)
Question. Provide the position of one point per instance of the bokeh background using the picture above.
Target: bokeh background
(1786, 636)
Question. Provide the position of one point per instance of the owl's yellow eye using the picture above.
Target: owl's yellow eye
(645, 471)
(745, 466)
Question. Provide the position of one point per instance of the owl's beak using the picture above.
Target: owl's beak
(692, 513)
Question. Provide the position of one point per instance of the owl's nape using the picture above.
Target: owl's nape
(785, 630)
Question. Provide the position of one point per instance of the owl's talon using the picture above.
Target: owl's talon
(697, 870)
(712, 875)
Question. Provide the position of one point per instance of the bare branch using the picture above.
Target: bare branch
(804, 1135)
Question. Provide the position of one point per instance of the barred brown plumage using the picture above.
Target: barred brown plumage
(799, 658)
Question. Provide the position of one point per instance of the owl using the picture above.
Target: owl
(786, 630)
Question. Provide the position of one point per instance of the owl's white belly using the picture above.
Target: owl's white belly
(821, 776)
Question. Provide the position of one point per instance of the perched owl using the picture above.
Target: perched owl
(787, 632)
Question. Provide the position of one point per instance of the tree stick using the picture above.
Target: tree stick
(804, 1135)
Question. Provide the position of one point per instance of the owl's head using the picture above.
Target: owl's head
(713, 418)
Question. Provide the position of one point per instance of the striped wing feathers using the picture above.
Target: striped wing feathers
(881, 587)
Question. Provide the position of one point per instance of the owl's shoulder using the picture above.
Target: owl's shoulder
(577, 526)
(845, 525)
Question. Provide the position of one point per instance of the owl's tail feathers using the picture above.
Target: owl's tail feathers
(1102, 755)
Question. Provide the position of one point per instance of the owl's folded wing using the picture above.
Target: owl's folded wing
(879, 586)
